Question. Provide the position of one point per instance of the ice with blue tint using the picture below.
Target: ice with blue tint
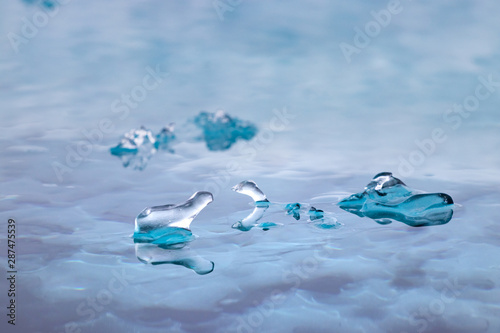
(262, 204)
(352, 120)
(250, 188)
(220, 131)
(138, 145)
(170, 224)
(387, 198)
(48, 4)
(322, 219)
(316, 214)
(133, 141)
(293, 209)
(136, 148)
(251, 220)
(161, 255)
(164, 139)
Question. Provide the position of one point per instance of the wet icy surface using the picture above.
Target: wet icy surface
(325, 127)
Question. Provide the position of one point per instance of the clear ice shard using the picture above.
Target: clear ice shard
(387, 198)
(262, 204)
(138, 145)
(251, 220)
(159, 255)
(220, 131)
(250, 188)
(133, 140)
(170, 224)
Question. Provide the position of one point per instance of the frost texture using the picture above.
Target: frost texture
(387, 198)
(220, 131)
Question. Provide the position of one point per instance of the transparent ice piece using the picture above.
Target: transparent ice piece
(169, 222)
(251, 220)
(158, 255)
(220, 131)
(321, 219)
(138, 145)
(250, 188)
(133, 140)
(135, 148)
(386, 197)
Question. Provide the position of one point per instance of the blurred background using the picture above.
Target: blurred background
(339, 92)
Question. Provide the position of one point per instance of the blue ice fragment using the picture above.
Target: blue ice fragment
(315, 214)
(220, 131)
(164, 139)
(321, 220)
(133, 140)
(386, 197)
(166, 236)
(267, 225)
(327, 223)
(170, 223)
(138, 145)
(158, 255)
(49, 4)
(293, 209)
(135, 148)
(261, 204)
(250, 188)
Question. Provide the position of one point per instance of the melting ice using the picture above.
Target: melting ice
(162, 232)
(164, 139)
(220, 131)
(170, 224)
(138, 145)
(319, 218)
(387, 198)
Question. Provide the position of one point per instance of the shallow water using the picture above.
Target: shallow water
(326, 127)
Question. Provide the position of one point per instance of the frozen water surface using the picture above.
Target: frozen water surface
(324, 126)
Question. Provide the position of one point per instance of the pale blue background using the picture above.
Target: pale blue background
(352, 120)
